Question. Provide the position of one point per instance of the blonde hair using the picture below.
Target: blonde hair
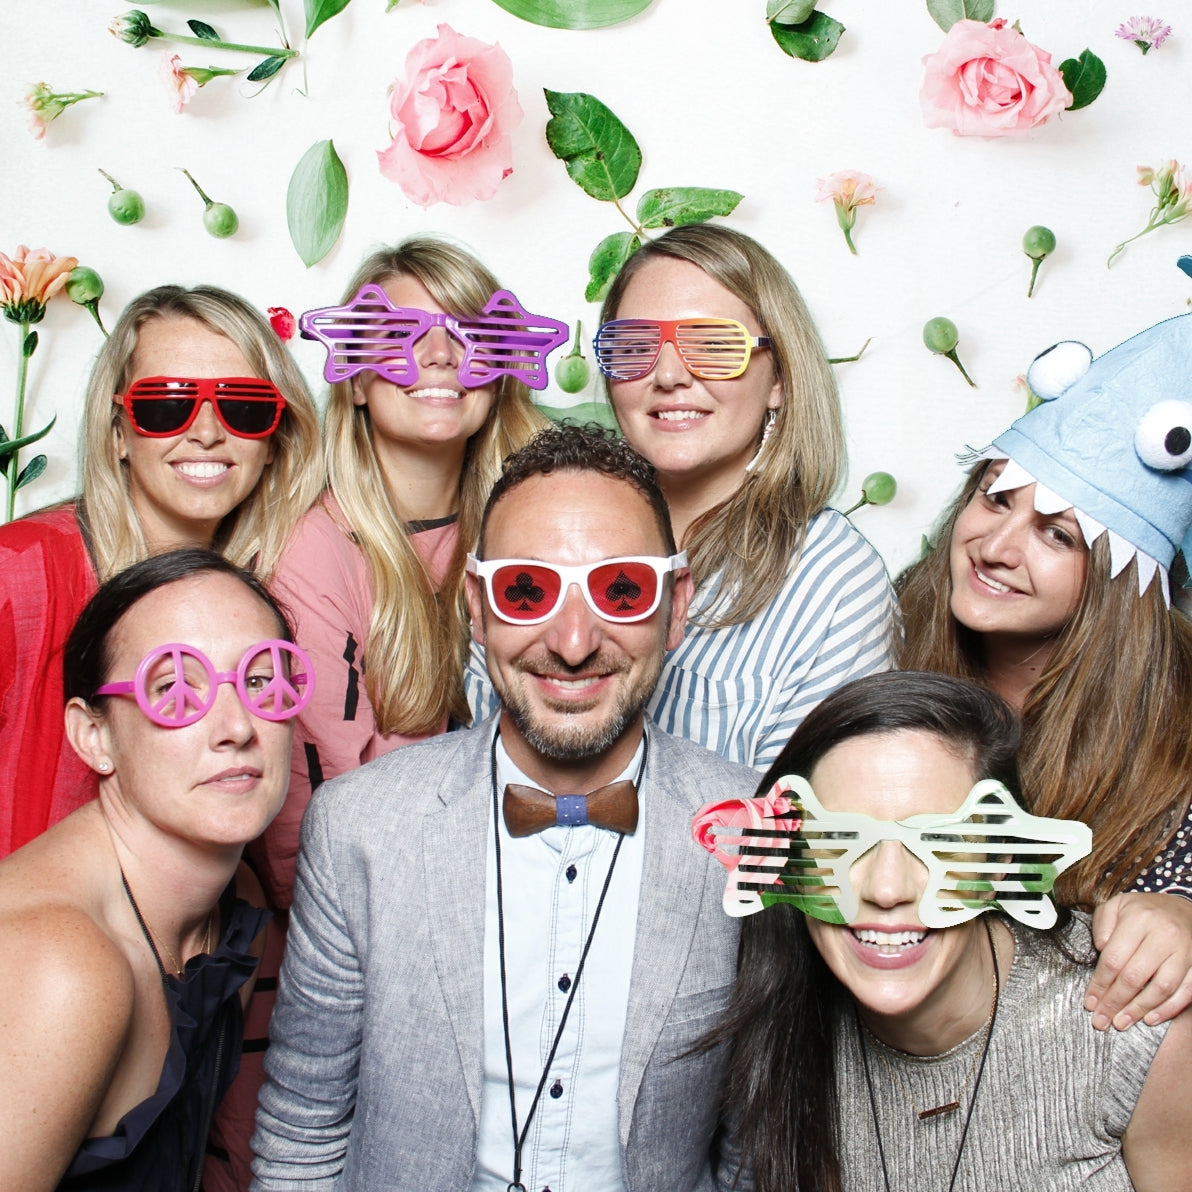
(756, 535)
(254, 533)
(420, 635)
(1098, 741)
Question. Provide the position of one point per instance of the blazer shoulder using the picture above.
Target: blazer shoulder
(698, 775)
(418, 777)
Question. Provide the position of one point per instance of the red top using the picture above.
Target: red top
(46, 578)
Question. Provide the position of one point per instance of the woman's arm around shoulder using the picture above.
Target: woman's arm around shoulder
(1158, 1142)
(66, 1002)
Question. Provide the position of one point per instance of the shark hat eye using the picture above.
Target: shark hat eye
(1163, 439)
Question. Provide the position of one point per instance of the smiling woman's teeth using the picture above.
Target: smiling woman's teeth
(992, 583)
(678, 415)
(435, 393)
(202, 470)
(890, 942)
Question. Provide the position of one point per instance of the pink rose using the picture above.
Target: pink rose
(452, 115)
(764, 812)
(988, 80)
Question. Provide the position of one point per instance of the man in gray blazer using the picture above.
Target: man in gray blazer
(486, 992)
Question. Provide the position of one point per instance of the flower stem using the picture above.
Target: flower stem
(1121, 248)
(850, 359)
(638, 230)
(1034, 273)
(213, 44)
(956, 360)
(848, 239)
(853, 508)
(13, 469)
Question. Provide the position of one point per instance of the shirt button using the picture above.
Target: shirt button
(571, 873)
(556, 1089)
(564, 982)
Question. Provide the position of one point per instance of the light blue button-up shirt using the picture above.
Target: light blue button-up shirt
(551, 883)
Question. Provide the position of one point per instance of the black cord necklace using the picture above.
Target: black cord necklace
(519, 1137)
(968, 1117)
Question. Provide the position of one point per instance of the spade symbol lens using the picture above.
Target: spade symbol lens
(623, 593)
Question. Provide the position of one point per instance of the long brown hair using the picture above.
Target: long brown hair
(756, 535)
(1105, 728)
(418, 639)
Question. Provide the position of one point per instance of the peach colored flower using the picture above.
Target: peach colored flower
(28, 280)
(451, 119)
(44, 104)
(848, 190)
(179, 84)
(988, 81)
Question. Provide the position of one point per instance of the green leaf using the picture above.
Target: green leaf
(203, 30)
(673, 206)
(606, 260)
(789, 12)
(813, 40)
(30, 345)
(8, 446)
(574, 14)
(600, 152)
(318, 11)
(317, 202)
(265, 70)
(1084, 77)
(946, 13)
(32, 470)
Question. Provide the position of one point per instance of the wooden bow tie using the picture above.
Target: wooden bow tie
(529, 810)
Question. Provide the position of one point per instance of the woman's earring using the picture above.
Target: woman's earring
(767, 431)
(103, 767)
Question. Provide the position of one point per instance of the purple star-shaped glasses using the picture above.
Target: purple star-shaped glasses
(371, 334)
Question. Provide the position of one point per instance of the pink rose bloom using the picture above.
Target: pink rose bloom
(451, 119)
(181, 86)
(764, 812)
(988, 80)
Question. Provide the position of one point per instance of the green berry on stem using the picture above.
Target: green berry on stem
(219, 219)
(1038, 243)
(878, 488)
(572, 372)
(941, 337)
(85, 288)
(124, 206)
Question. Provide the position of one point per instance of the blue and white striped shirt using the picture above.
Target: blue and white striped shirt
(744, 689)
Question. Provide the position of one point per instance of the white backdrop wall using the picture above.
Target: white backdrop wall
(712, 102)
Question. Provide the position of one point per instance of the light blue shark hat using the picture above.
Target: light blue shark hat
(1112, 440)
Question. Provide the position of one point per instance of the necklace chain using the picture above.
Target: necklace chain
(864, 1031)
(156, 941)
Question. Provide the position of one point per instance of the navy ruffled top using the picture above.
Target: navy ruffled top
(159, 1144)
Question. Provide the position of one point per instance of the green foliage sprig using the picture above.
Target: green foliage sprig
(604, 160)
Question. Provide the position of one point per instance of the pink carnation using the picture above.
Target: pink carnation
(452, 115)
(988, 80)
(179, 84)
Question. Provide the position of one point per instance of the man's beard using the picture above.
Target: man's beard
(562, 741)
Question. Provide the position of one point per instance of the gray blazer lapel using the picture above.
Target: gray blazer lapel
(668, 911)
(454, 856)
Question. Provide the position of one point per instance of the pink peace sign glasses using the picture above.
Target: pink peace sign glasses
(176, 684)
